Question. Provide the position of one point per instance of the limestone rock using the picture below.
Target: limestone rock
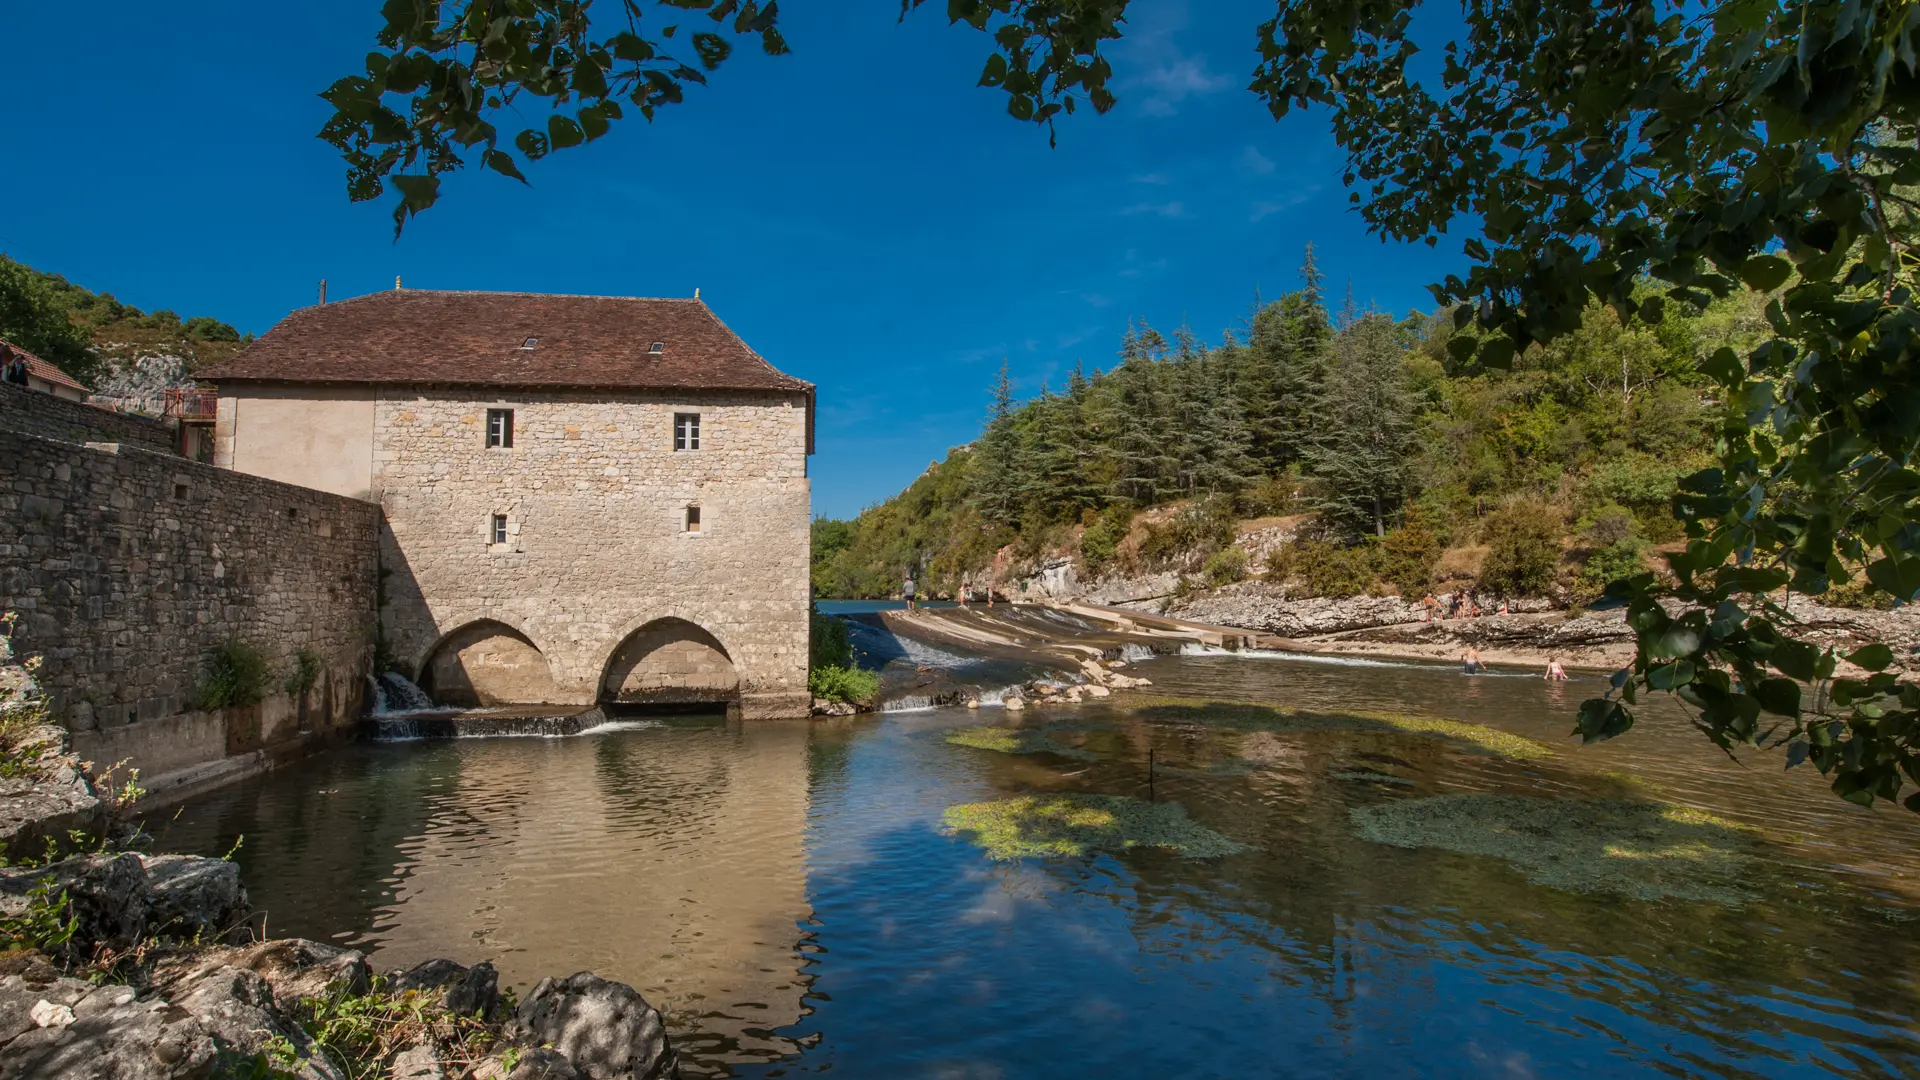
(417, 1063)
(538, 1063)
(1014, 703)
(473, 991)
(112, 1036)
(109, 895)
(48, 804)
(238, 1009)
(194, 897)
(825, 707)
(605, 1028)
(293, 967)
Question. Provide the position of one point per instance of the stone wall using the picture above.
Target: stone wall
(595, 501)
(128, 567)
(35, 413)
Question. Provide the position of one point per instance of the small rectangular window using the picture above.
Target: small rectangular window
(498, 533)
(693, 519)
(500, 428)
(686, 431)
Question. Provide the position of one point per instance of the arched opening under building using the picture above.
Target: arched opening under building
(487, 663)
(670, 662)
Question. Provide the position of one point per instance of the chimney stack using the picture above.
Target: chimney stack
(323, 292)
(396, 283)
(696, 292)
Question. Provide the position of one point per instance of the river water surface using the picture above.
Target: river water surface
(786, 893)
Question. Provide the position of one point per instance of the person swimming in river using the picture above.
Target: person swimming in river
(1471, 661)
(1554, 670)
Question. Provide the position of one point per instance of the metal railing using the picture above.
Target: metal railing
(192, 404)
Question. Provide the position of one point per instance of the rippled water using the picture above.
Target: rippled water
(785, 891)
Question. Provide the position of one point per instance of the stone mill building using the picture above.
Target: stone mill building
(582, 498)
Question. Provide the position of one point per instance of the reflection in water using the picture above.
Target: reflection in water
(786, 892)
(670, 859)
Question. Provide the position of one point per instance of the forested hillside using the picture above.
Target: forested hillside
(1380, 437)
(94, 336)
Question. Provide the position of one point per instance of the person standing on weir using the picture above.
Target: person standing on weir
(906, 591)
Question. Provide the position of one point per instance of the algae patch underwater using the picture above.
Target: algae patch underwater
(1647, 851)
(1072, 825)
(1255, 717)
(1006, 740)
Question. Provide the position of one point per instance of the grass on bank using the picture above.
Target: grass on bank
(850, 685)
(1066, 826)
(1643, 850)
(1256, 717)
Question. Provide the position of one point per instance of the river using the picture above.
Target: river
(787, 894)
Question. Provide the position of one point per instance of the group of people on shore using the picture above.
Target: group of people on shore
(1461, 604)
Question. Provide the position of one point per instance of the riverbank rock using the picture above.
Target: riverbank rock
(50, 802)
(826, 707)
(193, 897)
(108, 895)
(606, 1029)
(111, 1034)
(293, 967)
(238, 1009)
(473, 991)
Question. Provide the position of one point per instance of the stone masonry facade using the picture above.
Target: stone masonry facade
(601, 590)
(128, 567)
(35, 413)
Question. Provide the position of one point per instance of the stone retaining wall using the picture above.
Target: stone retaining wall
(128, 567)
(35, 413)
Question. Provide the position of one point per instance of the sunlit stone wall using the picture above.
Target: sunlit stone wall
(595, 500)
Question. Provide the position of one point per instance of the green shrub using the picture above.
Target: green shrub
(1406, 557)
(848, 684)
(1328, 569)
(1101, 542)
(237, 674)
(1523, 541)
(1202, 528)
(827, 642)
(1623, 558)
(1608, 524)
(1226, 567)
(305, 673)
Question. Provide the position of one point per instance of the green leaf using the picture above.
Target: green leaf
(1497, 353)
(1765, 273)
(562, 132)
(1873, 657)
(1795, 659)
(1898, 575)
(996, 71)
(1780, 697)
(501, 163)
(531, 143)
(1602, 719)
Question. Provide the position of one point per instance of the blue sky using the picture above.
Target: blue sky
(859, 211)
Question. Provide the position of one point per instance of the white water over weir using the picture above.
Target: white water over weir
(395, 695)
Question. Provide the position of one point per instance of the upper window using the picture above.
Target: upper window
(693, 519)
(500, 428)
(497, 534)
(530, 343)
(657, 347)
(686, 431)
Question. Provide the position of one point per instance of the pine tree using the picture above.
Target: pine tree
(1361, 454)
(1225, 462)
(1282, 367)
(996, 459)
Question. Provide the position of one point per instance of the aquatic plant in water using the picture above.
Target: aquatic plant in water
(1054, 826)
(1645, 850)
(1007, 740)
(1366, 777)
(1256, 717)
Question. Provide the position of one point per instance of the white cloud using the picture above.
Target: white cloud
(1153, 178)
(1256, 162)
(1173, 209)
(1269, 207)
(1168, 74)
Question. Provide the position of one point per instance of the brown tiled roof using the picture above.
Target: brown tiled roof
(37, 367)
(421, 336)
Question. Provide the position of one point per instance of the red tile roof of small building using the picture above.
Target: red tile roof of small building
(430, 337)
(41, 369)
